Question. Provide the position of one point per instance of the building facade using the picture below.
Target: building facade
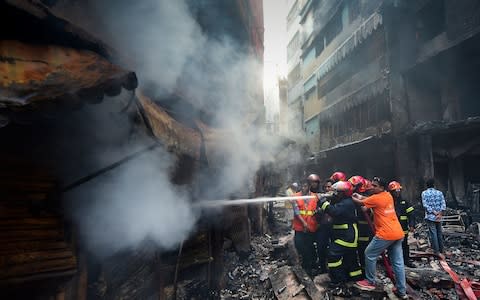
(387, 89)
(294, 111)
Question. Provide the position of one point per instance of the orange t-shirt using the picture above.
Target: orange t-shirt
(387, 226)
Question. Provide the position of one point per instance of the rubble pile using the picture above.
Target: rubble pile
(248, 278)
(272, 271)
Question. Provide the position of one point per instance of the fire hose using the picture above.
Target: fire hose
(462, 287)
(386, 262)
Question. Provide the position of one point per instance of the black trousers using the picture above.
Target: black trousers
(322, 238)
(305, 248)
(343, 264)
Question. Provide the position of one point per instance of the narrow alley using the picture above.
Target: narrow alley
(199, 149)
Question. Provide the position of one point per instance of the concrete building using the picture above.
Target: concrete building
(388, 89)
(294, 112)
(283, 107)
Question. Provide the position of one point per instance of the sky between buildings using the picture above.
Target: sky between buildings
(275, 57)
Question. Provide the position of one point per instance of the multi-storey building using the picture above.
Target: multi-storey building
(294, 113)
(283, 107)
(388, 89)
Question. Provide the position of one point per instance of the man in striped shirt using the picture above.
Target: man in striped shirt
(434, 204)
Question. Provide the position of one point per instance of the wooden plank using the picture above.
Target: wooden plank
(22, 235)
(310, 286)
(23, 196)
(31, 246)
(22, 223)
(54, 265)
(31, 257)
(37, 277)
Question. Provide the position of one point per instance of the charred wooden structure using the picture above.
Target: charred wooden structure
(393, 76)
(59, 86)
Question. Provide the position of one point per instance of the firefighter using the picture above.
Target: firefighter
(404, 213)
(338, 176)
(342, 254)
(322, 236)
(305, 223)
(365, 232)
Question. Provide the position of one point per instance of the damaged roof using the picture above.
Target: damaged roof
(44, 58)
(33, 73)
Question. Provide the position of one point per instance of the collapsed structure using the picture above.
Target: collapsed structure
(52, 139)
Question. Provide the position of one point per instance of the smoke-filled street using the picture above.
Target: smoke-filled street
(243, 149)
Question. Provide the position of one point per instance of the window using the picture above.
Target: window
(353, 9)
(293, 46)
(292, 15)
(294, 76)
(319, 44)
(312, 126)
(430, 20)
(333, 28)
(309, 57)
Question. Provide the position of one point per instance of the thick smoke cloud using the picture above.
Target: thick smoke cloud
(133, 203)
(169, 51)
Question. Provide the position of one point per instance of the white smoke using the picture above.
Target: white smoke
(132, 203)
(169, 52)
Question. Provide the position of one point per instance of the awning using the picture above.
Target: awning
(361, 95)
(46, 61)
(355, 39)
(437, 127)
(174, 135)
(35, 73)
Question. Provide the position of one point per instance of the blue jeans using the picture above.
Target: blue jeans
(436, 237)
(395, 252)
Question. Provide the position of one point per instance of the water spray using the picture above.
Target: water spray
(226, 202)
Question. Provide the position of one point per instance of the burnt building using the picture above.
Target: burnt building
(72, 113)
(388, 89)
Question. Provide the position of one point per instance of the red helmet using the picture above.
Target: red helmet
(356, 180)
(367, 185)
(313, 177)
(343, 186)
(394, 185)
(358, 183)
(338, 176)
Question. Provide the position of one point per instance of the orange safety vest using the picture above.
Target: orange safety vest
(307, 212)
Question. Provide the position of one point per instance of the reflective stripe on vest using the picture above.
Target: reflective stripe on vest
(355, 273)
(335, 264)
(324, 205)
(362, 222)
(306, 212)
(340, 226)
(409, 210)
(363, 238)
(348, 244)
(403, 218)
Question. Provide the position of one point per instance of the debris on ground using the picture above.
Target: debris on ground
(272, 270)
